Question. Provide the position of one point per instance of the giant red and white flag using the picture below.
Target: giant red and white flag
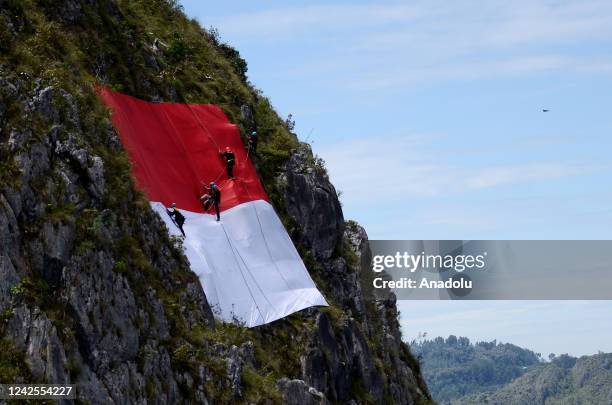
(247, 264)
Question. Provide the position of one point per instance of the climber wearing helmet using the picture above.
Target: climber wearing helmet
(253, 142)
(230, 161)
(212, 196)
(177, 217)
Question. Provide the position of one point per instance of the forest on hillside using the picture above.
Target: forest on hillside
(460, 372)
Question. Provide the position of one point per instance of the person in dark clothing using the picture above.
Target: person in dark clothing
(177, 217)
(230, 161)
(212, 197)
(253, 142)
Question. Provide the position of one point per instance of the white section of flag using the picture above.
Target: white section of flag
(249, 268)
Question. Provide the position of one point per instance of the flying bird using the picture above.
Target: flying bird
(545, 110)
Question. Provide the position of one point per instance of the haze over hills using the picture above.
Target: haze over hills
(461, 372)
(456, 367)
(565, 380)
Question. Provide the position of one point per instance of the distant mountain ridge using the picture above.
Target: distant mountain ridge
(460, 372)
(565, 380)
(455, 367)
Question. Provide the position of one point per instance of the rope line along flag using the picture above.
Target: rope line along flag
(247, 264)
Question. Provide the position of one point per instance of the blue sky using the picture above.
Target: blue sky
(429, 115)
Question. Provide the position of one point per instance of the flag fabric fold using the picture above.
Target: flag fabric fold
(247, 264)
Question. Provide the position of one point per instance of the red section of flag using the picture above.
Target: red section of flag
(174, 149)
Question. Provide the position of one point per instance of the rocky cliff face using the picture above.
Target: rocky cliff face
(92, 289)
(362, 351)
(70, 298)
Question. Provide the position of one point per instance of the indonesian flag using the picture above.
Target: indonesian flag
(247, 264)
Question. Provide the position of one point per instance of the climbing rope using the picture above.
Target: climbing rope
(207, 132)
(242, 274)
(251, 274)
(178, 137)
(263, 236)
(202, 126)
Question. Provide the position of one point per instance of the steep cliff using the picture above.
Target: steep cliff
(94, 292)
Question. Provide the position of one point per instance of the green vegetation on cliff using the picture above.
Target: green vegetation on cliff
(95, 292)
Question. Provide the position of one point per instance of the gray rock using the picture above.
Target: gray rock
(297, 392)
(92, 166)
(43, 103)
(104, 306)
(90, 388)
(235, 366)
(236, 358)
(34, 162)
(9, 278)
(247, 116)
(95, 172)
(58, 239)
(69, 11)
(156, 318)
(34, 333)
(14, 198)
(311, 201)
(9, 229)
(16, 140)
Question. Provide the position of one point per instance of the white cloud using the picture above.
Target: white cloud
(387, 45)
(467, 70)
(283, 23)
(413, 167)
(496, 22)
(497, 176)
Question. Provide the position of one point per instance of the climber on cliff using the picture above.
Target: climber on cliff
(252, 148)
(212, 196)
(177, 217)
(230, 161)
